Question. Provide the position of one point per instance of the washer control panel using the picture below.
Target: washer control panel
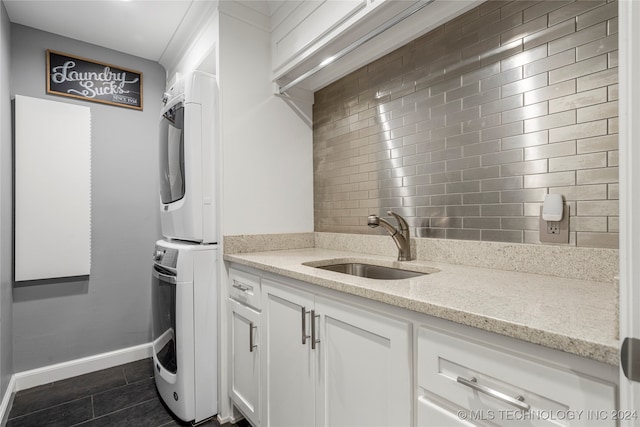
(166, 257)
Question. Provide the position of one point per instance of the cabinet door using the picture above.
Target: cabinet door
(245, 360)
(289, 364)
(365, 374)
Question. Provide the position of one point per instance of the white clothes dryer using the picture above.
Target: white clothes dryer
(188, 172)
(184, 328)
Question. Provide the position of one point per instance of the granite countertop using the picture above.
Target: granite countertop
(571, 315)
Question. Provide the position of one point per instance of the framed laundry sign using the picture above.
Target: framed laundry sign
(82, 78)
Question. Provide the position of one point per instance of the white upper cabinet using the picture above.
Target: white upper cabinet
(310, 32)
(306, 23)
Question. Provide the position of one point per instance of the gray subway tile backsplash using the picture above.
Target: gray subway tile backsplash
(558, 149)
(597, 47)
(595, 112)
(573, 9)
(551, 33)
(550, 63)
(580, 130)
(466, 129)
(580, 99)
(608, 175)
(578, 69)
(609, 11)
(578, 38)
(600, 79)
(526, 140)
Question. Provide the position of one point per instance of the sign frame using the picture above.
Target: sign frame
(104, 79)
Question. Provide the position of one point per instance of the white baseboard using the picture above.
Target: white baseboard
(73, 368)
(232, 419)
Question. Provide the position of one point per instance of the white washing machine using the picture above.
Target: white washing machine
(184, 328)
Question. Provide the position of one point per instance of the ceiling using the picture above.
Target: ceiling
(144, 28)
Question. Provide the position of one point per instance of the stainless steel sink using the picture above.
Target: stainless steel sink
(371, 271)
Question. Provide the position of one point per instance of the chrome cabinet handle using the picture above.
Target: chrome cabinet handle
(303, 311)
(314, 341)
(517, 401)
(251, 344)
(241, 286)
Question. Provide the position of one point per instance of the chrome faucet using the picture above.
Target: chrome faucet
(400, 237)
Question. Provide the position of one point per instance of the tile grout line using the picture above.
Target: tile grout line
(50, 407)
(93, 409)
(116, 411)
(119, 387)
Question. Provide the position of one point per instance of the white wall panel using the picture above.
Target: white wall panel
(266, 147)
(52, 189)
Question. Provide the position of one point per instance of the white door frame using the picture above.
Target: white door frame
(629, 145)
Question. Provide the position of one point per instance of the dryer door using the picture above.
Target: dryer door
(163, 294)
(172, 173)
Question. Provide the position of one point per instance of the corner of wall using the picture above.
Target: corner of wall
(6, 257)
(194, 42)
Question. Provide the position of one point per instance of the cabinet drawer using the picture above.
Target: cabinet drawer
(505, 388)
(431, 414)
(244, 287)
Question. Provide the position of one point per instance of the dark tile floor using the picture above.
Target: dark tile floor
(120, 396)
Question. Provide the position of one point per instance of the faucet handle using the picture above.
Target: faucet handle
(401, 221)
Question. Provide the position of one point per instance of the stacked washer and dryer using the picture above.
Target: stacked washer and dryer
(184, 283)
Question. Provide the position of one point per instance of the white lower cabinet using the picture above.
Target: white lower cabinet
(365, 375)
(331, 364)
(469, 383)
(302, 357)
(289, 363)
(244, 343)
(245, 360)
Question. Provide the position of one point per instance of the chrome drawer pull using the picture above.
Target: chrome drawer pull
(517, 401)
(251, 344)
(241, 286)
(303, 311)
(314, 341)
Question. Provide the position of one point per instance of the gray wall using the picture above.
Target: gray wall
(6, 258)
(64, 321)
(465, 129)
